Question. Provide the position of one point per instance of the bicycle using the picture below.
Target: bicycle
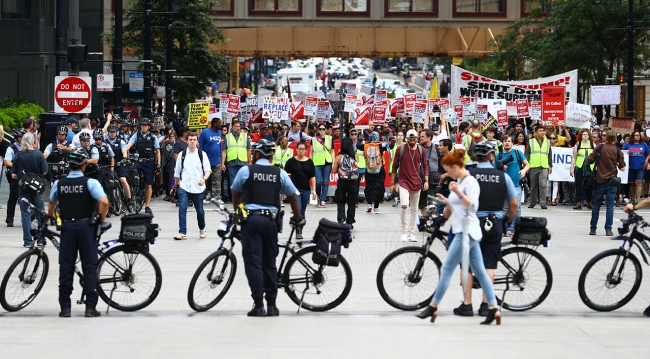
(408, 276)
(129, 277)
(314, 287)
(135, 180)
(612, 278)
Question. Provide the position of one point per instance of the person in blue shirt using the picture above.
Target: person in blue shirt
(210, 143)
(639, 155)
(70, 123)
(12, 151)
(78, 196)
(516, 169)
(258, 187)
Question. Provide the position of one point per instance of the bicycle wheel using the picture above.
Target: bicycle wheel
(608, 281)
(211, 281)
(527, 275)
(132, 275)
(24, 280)
(399, 284)
(324, 287)
(140, 198)
(116, 204)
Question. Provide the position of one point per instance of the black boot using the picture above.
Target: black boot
(271, 309)
(483, 309)
(646, 312)
(491, 316)
(258, 309)
(91, 312)
(65, 313)
(429, 311)
(464, 310)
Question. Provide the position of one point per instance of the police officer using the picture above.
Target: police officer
(496, 188)
(12, 151)
(93, 154)
(105, 152)
(148, 149)
(58, 150)
(118, 146)
(258, 187)
(78, 195)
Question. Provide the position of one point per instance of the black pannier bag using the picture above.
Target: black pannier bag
(531, 231)
(329, 237)
(138, 228)
(111, 180)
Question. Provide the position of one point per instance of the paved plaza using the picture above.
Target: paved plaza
(363, 326)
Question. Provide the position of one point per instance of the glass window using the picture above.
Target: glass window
(423, 5)
(221, 5)
(529, 5)
(344, 5)
(264, 5)
(411, 6)
(480, 6)
(275, 5)
(287, 5)
(15, 9)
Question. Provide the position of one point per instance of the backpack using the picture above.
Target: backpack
(183, 161)
(348, 168)
(373, 158)
(329, 237)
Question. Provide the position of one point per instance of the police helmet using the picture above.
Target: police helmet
(77, 157)
(126, 122)
(483, 149)
(265, 147)
(112, 128)
(18, 132)
(84, 136)
(62, 130)
(98, 133)
(145, 121)
(116, 118)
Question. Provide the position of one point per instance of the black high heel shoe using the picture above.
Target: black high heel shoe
(429, 312)
(491, 316)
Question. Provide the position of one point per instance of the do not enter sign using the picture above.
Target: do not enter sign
(72, 94)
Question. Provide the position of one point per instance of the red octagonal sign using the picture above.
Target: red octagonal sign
(72, 94)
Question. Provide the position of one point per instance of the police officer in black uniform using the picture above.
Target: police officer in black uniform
(57, 152)
(78, 195)
(148, 149)
(496, 188)
(258, 187)
(9, 157)
(105, 152)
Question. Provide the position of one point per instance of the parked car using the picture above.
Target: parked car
(343, 72)
(359, 70)
(270, 81)
(402, 90)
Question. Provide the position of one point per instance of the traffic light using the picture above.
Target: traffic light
(621, 79)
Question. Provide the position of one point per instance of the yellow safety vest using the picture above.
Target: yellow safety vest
(362, 160)
(467, 143)
(279, 159)
(539, 155)
(392, 158)
(236, 149)
(321, 153)
(582, 153)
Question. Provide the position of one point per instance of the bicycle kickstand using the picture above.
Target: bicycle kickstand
(81, 300)
(302, 297)
(503, 298)
(110, 298)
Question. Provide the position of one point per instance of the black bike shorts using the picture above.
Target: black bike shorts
(121, 171)
(491, 243)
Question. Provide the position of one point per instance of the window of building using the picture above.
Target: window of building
(15, 9)
(527, 6)
(343, 8)
(223, 7)
(275, 7)
(464, 8)
(411, 7)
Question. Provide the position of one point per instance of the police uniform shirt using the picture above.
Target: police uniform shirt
(94, 152)
(10, 152)
(48, 149)
(510, 193)
(96, 190)
(110, 150)
(110, 143)
(286, 186)
(192, 170)
(134, 139)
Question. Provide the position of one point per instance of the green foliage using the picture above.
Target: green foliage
(12, 117)
(193, 33)
(14, 102)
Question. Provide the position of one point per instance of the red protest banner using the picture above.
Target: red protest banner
(362, 117)
(368, 100)
(297, 111)
(392, 109)
(443, 102)
(459, 111)
(379, 115)
(522, 108)
(400, 105)
(233, 104)
(409, 102)
(381, 95)
(553, 105)
(502, 118)
(255, 117)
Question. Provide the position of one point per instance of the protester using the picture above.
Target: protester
(85, 128)
(579, 166)
(373, 152)
(347, 190)
(235, 151)
(540, 157)
(361, 159)
(473, 136)
(322, 153)
(296, 134)
(433, 159)
(399, 141)
(606, 181)
(210, 143)
(639, 153)
(552, 187)
(274, 136)
(568, 187)
(303, 175)
(516, 169)
(167, 159)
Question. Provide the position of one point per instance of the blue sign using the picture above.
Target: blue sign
(136, 82)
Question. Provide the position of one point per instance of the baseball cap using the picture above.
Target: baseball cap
(411, 133)
(70, 121)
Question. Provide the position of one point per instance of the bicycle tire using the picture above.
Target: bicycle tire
(127, 281)
(588, 291)
(403, 275)
(24, 283)
(525, 271)
(325, 275)
(212, 263)
(140, 199)
(117, 201)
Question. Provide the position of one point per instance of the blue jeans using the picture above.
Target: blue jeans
(323, 179)
(511, 227)
(183, 199)
(232, 172)
(610, 196)
(304, 201)
(26, 216)
(454, 256)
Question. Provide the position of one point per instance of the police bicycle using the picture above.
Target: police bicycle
(311, 286)
(113, 189)
(135, 179)
(128, 276)
(612, 278)
(408, 276)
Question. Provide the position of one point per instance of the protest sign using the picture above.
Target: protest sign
(562, 157)
(392, 109)
(350, 103)
(623, 175)
(381, 95)
(275, 108)
(197, 116)
(535, 110)
(606, 95)
(553, 105)
(482, 113)
(450, 115)
(352, 89)
(458, 109)
(379, 115)
(362, 117)
(400, 105)
(223, 102)
(420, 111)
(409, 102)
(311, 105)
(621, 125)
(522, 108)
(233, 104)
(367, 100)
(323, 111)
(578, 115)
(502, 118)
(469, 106)
(297, 111)
(255, 117)
(469, 84)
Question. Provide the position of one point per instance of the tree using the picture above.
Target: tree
(193, 33)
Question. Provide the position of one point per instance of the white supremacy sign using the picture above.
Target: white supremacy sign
(562, 157)
(578, 115)
(469, 84)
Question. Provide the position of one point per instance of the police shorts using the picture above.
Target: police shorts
(491, 243)
(147, 169)
(121, 171)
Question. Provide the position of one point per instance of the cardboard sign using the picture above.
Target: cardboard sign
(535, 110)
(400, 105)
(352, 89)
(553, 105)
(621, 125)
(409, 102)
(224, 98)
(502, 118)
(297, 111)
(392, 109)
(323, 111)
(362, 117)
(458, 109)
(275, 108)
(367, 100)
(255, 117)
(606, 95)
(381, 95)
(420, 111)
(197, 116)
(522, 108)
(311, 105)
(578, 115)
(233, 104)
(350, 103)
(482, 113)
(379, 115)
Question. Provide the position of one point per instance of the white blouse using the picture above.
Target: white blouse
(470, 188)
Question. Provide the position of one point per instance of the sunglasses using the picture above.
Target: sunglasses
(276, 128)
(321, 129)
(553, 138)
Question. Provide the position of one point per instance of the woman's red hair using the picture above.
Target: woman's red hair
(457, 157)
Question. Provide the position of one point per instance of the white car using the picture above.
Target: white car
(401, 91)
(361, 71)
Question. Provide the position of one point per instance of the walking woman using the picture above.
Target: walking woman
(461, 206)
(373, 151)
(581, 150)
(347, 191)
(639, 156)
(303, 175)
